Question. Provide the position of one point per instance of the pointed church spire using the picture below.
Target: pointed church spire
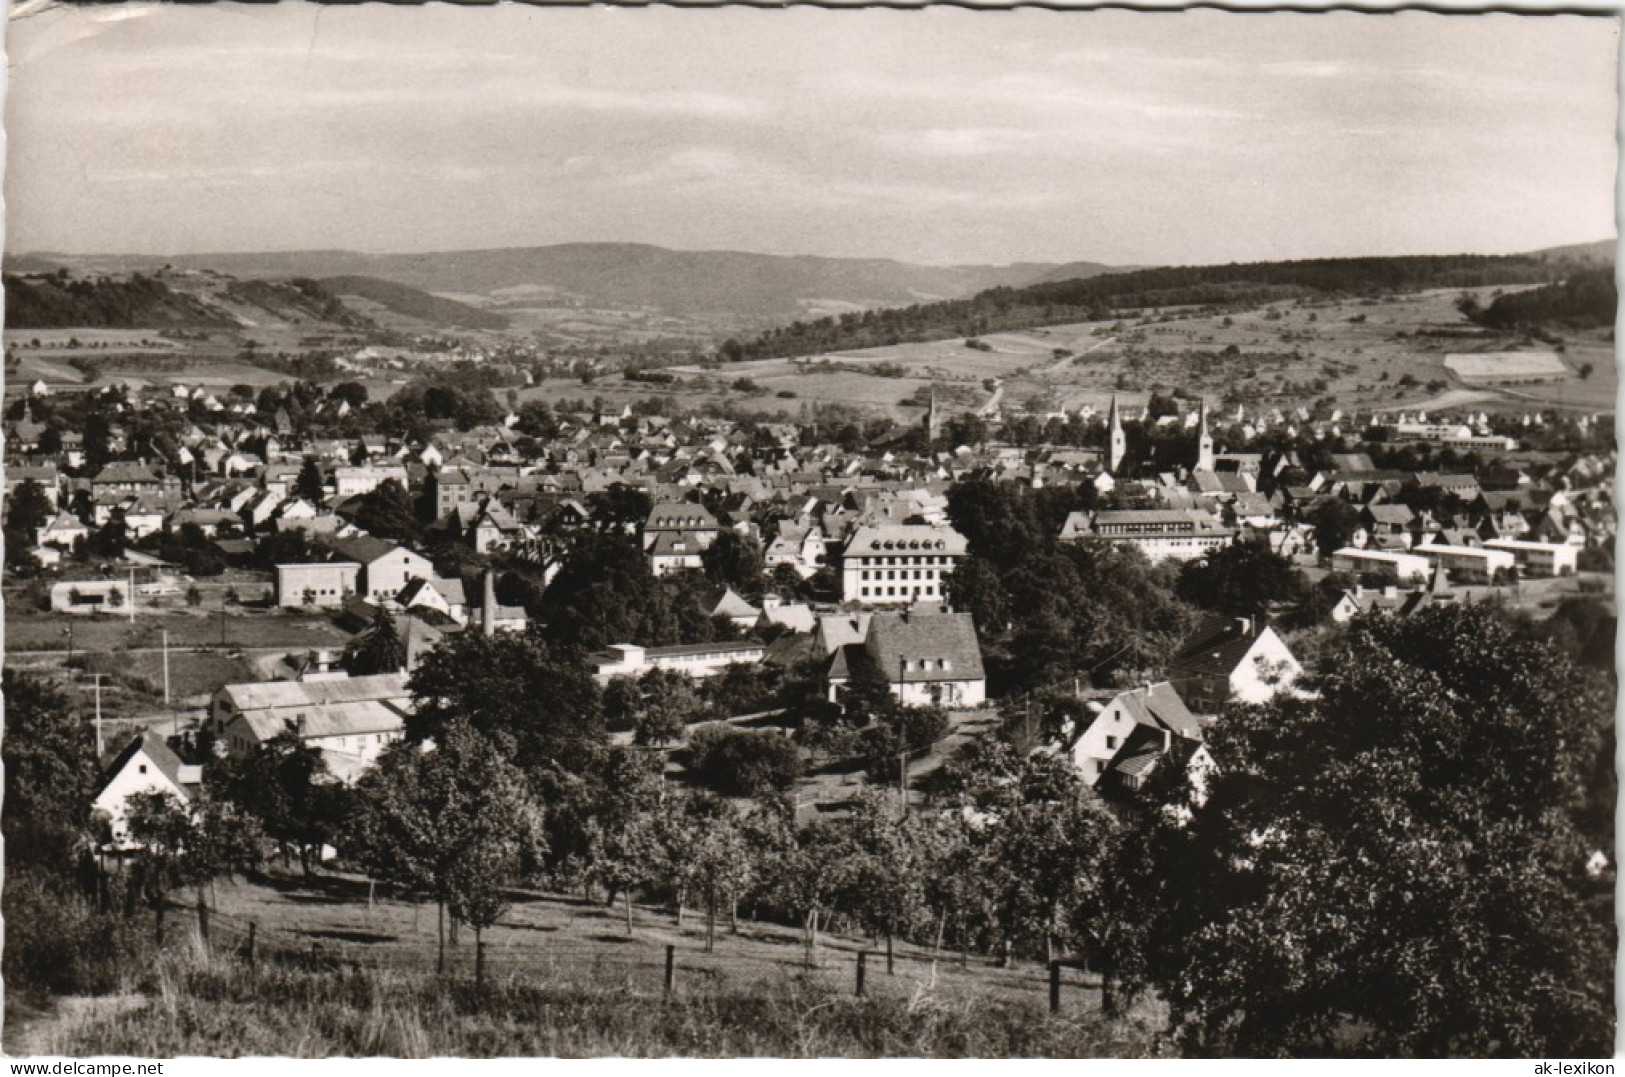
(933, 421)
(1204, 440)
(1116, 442)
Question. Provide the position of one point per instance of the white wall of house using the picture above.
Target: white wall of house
(141, 775)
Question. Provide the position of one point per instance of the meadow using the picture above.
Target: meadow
(335, 974)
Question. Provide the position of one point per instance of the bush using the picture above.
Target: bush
(743, 762)
(57, 942)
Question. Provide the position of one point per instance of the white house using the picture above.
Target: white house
(927, 658)
(1107, 744)
(1231, 658)
(146, 765)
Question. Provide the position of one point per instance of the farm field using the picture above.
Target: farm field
(32, 630)
(1385, 353)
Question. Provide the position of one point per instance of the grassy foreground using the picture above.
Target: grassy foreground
(199, 1003)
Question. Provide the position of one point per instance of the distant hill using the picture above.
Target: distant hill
(1104, 296)
(613, 276)
(166, 300)
(413, 303)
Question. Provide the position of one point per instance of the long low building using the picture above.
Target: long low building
(1160, 534)
(351, 720)
(696, 660)
(1540, 558)
(1479, 564)
(1386, 564)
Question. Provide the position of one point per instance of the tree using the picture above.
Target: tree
(1334, 521)
(744, 762)
(310, 483)
(1391, 863)
(378, 650)
(386, 511)
(1243, 579)
(28, 510)
(666, 703)
(458, 822)
(49, 754)
(285, 785)
(537, 694)
(735, 561)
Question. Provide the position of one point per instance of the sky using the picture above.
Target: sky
(945, 136)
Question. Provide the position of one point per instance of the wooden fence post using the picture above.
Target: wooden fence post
(1054, 987)
(863, 968)
(252, 926)
(671, 968)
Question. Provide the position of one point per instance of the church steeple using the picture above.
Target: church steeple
(933, 421)
(1204, 440)
(1116, 441)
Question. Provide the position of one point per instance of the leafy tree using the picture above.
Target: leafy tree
(1244, 579)
(49, 754)
(667, 702)
(111, 539)
(286, 787)
(620, 508)
(735, 561)
(458, 822)
(28, 510)
(386, 511)
(624, 841)
(744, 762)
(537, 694)
(1391, 863)
(1334, 521)
(378, 650)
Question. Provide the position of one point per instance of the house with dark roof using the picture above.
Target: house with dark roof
(927, 658)
(145, 765)
(1102, 743)
(385, 567)
(1231, 658)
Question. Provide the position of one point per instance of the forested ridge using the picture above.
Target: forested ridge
(59, 301)
(1587, 300)
(1096, 298)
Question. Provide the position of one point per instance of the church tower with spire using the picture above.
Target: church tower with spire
(933, 419)
(1204, 440)
(1116, 440)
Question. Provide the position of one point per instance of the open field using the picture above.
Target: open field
(32, 630)
(337, 974)
(1385, 353)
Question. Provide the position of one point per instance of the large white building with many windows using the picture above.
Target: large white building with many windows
(899, 564)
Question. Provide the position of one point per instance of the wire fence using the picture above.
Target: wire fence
(642, 967)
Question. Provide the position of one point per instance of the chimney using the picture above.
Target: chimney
(488, 604)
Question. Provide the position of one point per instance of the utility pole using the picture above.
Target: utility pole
(902, 778)
(69, 633)
(222, 628)
(132, 594)
(166, 670)
(99, 746)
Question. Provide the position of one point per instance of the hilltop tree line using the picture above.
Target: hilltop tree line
(1110, 295)
(1587, 300)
